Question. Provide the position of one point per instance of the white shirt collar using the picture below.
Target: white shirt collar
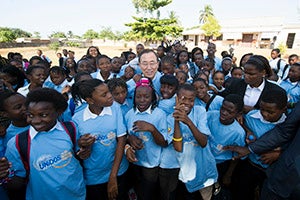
(87, 114)
(260, 88)
(146, 111)
(99, 76)
(33, 132)
(258, 115)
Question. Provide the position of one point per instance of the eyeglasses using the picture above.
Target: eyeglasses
(151, 64)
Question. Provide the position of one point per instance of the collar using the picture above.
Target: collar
(260, 88)
(87, 114)
(33, 132)
(257, 115)
(146, 111)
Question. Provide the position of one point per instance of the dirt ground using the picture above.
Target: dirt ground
(112, 51)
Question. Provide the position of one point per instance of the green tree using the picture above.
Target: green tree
(37, 34)
(152, 29)
(107, 33)
(20, 33)
(90, 34)
(72, 44)
(54, 46)
(7, 35)
(205, 13)
(58, 35)
(148, 6)
(211, 27)
(70, 34)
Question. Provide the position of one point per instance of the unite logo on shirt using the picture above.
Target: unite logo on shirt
(188, 138)
(106, 140)
(47, 161)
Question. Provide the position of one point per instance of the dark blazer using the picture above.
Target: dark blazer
(283, 175)
(239, 86)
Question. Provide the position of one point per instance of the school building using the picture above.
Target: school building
(262, 32)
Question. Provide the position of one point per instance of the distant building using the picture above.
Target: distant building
(262, 32)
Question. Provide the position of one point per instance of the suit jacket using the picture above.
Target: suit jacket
(283, 175)
(239, 86)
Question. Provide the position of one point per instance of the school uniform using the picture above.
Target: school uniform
(223, 135)
(167, 105)
(12, 131)
(97, 75)
(197, 164)
(58, 88)
(218, 63)
(106, 127)
(24, 90)
(54, 171)
(292, 89)
(215, 104)
(126, 106)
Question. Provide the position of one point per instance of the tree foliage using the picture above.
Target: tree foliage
(211, 27)
(54, 46)
(58, 35)
(90, 34)
(205, 13)
(10, 34)
(37, 34)
(149, 5)
(152, 29)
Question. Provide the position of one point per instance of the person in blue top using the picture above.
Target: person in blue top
(250, 173)
(190, 139)
(54, 172)
(211, 51)
(203, 98)
(169, 86)
(102, 128)
(58, 79)
(147, 129)
(292, 85)
(104, 68)
(118, 89)
(12, 106)
(225, 130)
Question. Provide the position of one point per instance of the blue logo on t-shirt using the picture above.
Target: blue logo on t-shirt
(106, 140)
(59, 161)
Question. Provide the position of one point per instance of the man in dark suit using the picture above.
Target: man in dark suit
(283, 177)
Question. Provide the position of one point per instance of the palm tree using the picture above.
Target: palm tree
(207, 11)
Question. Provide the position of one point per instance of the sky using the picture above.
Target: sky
(48, 16)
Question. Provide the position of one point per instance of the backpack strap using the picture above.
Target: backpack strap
(284, 69)
(23, 146)
(71, 131)
(278, 65)
(209, 102)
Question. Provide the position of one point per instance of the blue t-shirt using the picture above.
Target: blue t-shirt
(214, 105)
(12, 131)
(197, 164)
(167, 105)
(292, 90)
(106, 127)
(149, 156)
(54, 171)
(223, 135)
(255, 122)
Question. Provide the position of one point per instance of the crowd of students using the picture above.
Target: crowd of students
(159, 124)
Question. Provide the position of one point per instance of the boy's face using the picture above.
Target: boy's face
(293, 60)
(294, 73)
(42, 115)
(167, 68)
(119, 94)
(270, 111)
(274, 54)
(57, 78)
(15, 108)
(187, 98)
(201, 89)
(238, 73)
(167, 91)
(228, 113)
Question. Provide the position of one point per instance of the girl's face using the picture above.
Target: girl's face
(201, 89)
(101, 97)
(208, 66)
(85, 66)
(129, 73)
(37, 76)
(218, 80)
(9, 79)
(15, 107)
(130, 57)
(143, 98)
(253, 76)
(270, 111)
(181, 78)
(93, 52)
(167, 91)
(119, 94)
(294, 73)
(187, 98)
(167, 68)
(183, 57)
(57, 78)
(228, 112)
(198, 60)
(160, 52)
(237, 73)
(116, 65)
(70, 63)
(104, 65)
(226, 65)
(42, 115)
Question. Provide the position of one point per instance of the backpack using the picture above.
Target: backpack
(284, 69)
(23, 143)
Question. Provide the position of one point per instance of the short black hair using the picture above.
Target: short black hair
(47, 95)
(277, 96)
(186, 86)
(58, 70)
(169, 80)
(116, 82)
(84, 89)
(5, 95)
(237, 100)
